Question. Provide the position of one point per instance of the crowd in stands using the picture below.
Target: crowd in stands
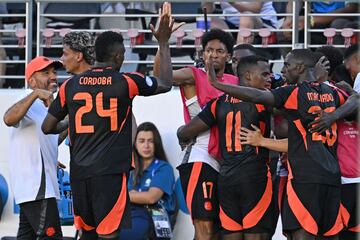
(256, 144)
(237, 23)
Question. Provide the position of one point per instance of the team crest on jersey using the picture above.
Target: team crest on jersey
(147, 182)
(50, 231)
(208, 206)
(149, 81)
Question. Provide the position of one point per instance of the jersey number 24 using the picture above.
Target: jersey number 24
(89, 104)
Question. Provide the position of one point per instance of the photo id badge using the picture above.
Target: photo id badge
(161, 222)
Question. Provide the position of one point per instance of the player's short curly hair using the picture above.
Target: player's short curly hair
(306, 56)
(249, 61)
(82, 42)
(106, 44)
(334, 55)
(351, 50)
(222, 36)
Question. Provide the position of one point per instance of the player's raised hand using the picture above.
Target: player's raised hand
(163, 32)
(322, 68)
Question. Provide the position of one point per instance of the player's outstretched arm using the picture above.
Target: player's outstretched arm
(255, 138)
(51, 125)
(189, 131)
(17, 111)
(247, 94)
(180, 76)
(325, 120)
(162, 34)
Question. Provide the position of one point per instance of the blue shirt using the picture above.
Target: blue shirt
(326, 6)
(158, 174)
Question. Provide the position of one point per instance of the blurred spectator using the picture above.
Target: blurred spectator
(334, 55)
(121, 8)
(80, 22)
(240, 51)
(110, 7)
(341, 74)
(236, 22)
(352, 61)
(112, 22)
(323, 22)
(3, 10)
(332, 7)
(151, 182)
(137, 21)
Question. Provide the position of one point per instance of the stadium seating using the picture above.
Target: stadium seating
(20, 48)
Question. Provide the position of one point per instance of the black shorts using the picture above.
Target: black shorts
(313, 207)
(199, 185)
(275, 201)
(349, 200)
(102, 204)
(246, 206)
(39, 220)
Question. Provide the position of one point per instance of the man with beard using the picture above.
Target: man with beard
(33, 166)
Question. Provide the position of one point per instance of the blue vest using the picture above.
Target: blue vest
(158, 174)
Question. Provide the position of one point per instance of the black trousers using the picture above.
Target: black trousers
(39, 220)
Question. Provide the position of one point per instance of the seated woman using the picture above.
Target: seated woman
(151, 182)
